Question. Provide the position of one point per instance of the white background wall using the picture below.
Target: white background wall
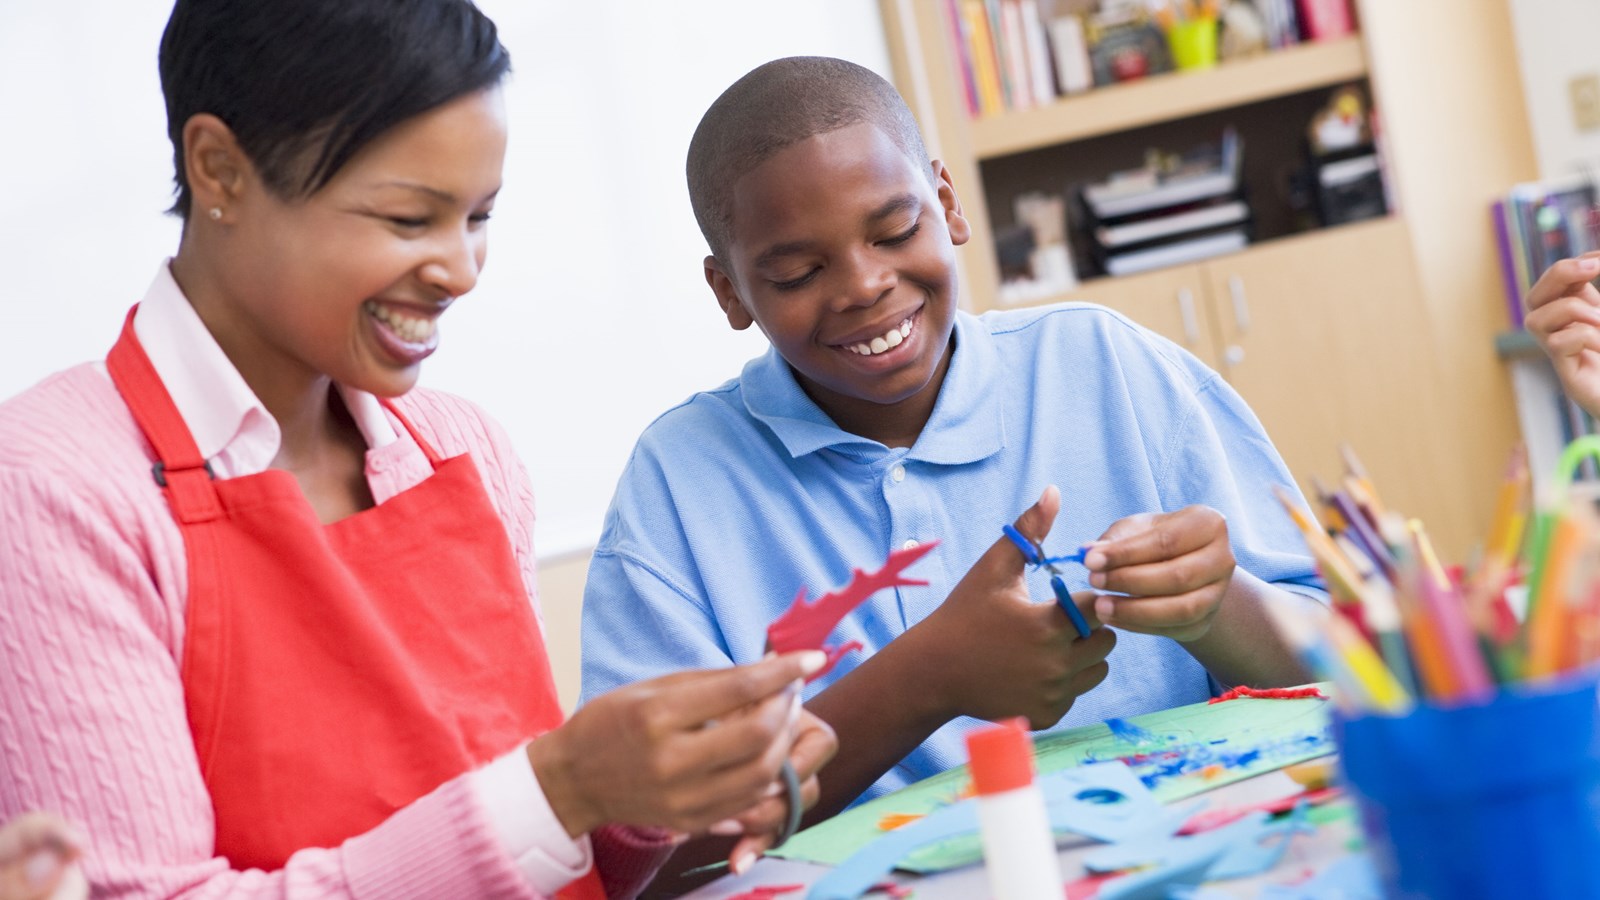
(592, 315)
(1555, 44)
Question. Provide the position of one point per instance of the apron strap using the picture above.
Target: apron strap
(183, 474)
(427, 449)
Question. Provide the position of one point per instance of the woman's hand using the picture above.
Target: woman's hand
(1564, 317)
(681, 752)
(814, 745)
(38, 859)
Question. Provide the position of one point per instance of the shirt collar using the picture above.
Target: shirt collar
(967, 422)
(222, 412)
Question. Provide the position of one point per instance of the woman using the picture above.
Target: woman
(266, 608)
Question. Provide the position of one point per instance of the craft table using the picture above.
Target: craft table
(1248, 740)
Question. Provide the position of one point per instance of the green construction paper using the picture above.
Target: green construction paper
(1285, 731)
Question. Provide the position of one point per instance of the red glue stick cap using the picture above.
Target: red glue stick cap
(1002, 757)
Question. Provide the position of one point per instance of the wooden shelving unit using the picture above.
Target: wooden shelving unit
(1434, 412)
(1169, 96)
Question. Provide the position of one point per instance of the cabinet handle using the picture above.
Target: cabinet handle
(1191, 326)
(1241, 306)
(1233, 355)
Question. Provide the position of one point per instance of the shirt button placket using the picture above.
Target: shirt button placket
(897, 474)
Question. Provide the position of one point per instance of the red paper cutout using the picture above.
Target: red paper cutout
(1089, 885)
(1271, 694)
(805, 626)
(766, 893)
(1206, 820)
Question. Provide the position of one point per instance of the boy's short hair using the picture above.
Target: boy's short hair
(778, 104)
(305, 84)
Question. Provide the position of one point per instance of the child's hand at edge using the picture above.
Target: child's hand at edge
(39, 859)
(1564, 317)
(1175, 567)
(993, 651)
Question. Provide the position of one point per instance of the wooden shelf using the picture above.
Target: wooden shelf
(1173, 95)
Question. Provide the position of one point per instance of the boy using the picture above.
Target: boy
(882, 416)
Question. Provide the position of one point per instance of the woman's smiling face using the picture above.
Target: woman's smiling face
(349, 282)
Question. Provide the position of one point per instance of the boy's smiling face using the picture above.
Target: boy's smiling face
(843, 251)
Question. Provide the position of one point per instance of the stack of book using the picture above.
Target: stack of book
(1537, 223)
(1144, 219)
(1005, 58)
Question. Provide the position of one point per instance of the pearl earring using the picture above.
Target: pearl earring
(215, 213)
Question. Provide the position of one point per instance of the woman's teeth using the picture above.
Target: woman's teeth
(408, 328)
(883, 343)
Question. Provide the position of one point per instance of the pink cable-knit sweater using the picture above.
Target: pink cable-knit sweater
(92, 721)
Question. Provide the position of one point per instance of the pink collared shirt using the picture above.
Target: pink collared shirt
(92, 594)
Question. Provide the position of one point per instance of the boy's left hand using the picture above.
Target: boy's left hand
(1175, 567)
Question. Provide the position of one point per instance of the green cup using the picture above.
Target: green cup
(1193, 43)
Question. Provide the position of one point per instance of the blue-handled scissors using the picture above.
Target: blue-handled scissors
(1034, 555)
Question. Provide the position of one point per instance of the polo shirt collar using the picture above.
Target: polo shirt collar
(967, 422)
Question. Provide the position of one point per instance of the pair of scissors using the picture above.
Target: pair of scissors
(1034, 555)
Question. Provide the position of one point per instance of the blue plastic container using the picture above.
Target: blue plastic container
(1499, 800)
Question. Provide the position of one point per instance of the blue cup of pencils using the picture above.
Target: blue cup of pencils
(1500, 799)
(1469, 736)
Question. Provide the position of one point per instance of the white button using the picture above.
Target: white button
(909, 544)
(898, 473)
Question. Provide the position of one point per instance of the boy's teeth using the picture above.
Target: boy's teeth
(889, 340)
(411, 329)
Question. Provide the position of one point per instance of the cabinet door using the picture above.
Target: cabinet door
(1170, 302)
(1327, 337)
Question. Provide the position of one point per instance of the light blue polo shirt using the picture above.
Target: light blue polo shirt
(739, 496)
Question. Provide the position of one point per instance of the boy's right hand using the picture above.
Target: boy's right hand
(994, 652)
(682, 752)
(1564, 317)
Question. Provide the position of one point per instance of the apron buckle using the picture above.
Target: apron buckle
(159, 472)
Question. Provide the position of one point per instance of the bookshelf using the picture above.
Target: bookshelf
(1171, 95)
(1376, 332)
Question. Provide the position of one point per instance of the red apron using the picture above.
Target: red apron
(335, 673)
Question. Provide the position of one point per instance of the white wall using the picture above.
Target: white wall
(1555, 44)
(592, 315)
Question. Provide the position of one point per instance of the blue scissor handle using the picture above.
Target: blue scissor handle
(1030, 550)
(1034, 555)
(1064, 600)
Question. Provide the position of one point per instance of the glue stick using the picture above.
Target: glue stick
(1019, 848)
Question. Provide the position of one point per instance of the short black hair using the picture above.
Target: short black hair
(305, 84)
(778, 104)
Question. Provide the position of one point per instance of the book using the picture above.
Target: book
(985, 65)
(1324, 20)
(1002, 54)
(1070, 51)
(1510, 278)
(1176, 253)
(961, 43)
(1015, 54)
(1043, 82)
